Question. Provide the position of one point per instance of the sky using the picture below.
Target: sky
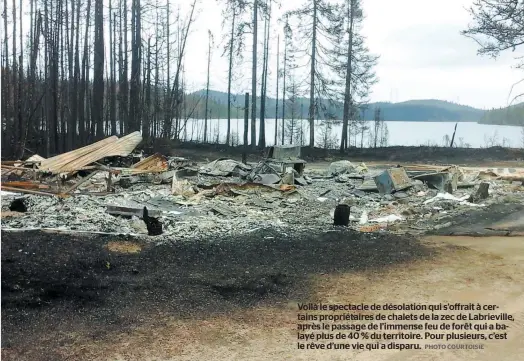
(422, 54)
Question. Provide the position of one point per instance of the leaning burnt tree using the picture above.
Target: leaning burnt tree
(175, 97)
(319, 26)
(498, 26)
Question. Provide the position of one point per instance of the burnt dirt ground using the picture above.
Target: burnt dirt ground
(59, 288)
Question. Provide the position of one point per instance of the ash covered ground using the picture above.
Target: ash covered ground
(56, 286)
(205, 213)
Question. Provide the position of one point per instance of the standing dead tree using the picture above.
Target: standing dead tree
(376, 127)
(319, 25)
(254, 76)
(210, 45)
(263, 92)
(98, 80)
(289, 62)
(293, 124)
(356, 66)
(277, 80)
(234, 12)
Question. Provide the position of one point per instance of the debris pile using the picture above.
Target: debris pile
(105, 188)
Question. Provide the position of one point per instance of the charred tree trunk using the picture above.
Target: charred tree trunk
(312, 78)
(284, 89)
(14, 72)
(254, 78)
(262, 135)
(112, 100)
(278, 74)
(207, 85)
(83, 120)
(147, 113)
(73, 120)
(21, 94)
(229, 78)
(97, 110)
(136, 46)
(347, 92)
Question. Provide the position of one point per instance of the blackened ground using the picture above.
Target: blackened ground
(56, 285)
(505, 219)
(445, 155)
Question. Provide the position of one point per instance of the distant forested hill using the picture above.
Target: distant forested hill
(513, 115)
(428, 110)
(413, 110)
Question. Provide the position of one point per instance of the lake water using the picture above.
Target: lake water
(469, 134)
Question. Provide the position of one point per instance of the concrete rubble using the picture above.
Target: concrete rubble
(225, 197)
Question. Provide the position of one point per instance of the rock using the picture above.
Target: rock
(340, 167)
(400, 195)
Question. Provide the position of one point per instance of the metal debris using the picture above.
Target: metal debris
(443, 181)
(225, 167)
(392, 180)
(80, 158)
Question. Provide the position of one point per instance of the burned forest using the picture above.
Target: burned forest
(74, 72)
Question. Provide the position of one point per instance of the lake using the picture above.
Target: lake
(469, 134)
